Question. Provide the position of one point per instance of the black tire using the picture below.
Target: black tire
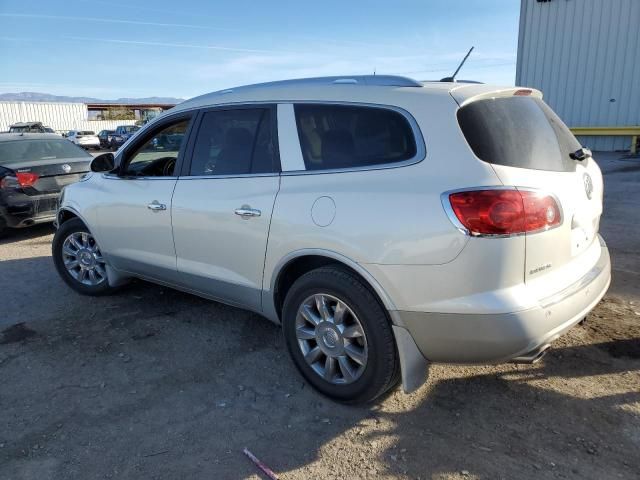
(381, 372)
(67, 228)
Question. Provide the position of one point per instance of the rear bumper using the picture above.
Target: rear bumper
(19, 210)
(494, 338)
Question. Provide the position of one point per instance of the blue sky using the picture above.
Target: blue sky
(135, 48)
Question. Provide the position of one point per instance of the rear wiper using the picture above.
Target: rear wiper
(581, 154)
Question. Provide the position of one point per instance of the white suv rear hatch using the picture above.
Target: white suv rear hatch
(529, 147)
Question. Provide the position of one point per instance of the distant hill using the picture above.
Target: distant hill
(47, 97)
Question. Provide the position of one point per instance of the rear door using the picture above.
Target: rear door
(529, 147)
(223, 202)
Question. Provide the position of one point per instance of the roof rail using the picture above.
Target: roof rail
(448, 80)
(371, 80)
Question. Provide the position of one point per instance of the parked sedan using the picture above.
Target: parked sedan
(84, 138)
(105, 138)
(33, 170)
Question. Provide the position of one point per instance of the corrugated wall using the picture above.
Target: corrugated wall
(585, 57)
(59, 116)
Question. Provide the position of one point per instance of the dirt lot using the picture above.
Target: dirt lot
(153, 383)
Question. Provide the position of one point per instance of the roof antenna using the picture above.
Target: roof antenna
(452, 78)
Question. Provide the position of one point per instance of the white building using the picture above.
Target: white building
(585, 57)
(63, 117)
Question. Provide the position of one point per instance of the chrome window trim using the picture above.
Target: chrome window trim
(421, 149)
(239, 175)
(113, 176)
(446, 204)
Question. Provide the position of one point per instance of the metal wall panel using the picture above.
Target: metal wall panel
(584, 55)
(62, 117)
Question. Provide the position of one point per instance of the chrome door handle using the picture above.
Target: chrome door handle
(156, 206)
(246, 212)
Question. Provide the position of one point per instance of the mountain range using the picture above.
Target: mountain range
(47, 97)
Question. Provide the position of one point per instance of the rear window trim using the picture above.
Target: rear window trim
(421, 150)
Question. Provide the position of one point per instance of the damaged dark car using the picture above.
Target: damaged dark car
(34, 168)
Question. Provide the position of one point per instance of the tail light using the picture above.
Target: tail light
(26, 179)
(500, 212)
(19, 179)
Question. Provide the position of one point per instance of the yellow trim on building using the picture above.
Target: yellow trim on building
(633, 132)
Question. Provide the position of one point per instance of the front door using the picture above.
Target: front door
(135, 217)
(222, 205)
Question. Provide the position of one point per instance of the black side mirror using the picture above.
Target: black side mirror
(103, 163)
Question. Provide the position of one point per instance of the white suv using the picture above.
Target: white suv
(84, 138)
(382, 221)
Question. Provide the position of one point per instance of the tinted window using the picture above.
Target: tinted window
(25, 150)
(339, 136)
(157, 155)
(518, 132)
(234, 142)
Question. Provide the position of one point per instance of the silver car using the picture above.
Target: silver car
(384, 223)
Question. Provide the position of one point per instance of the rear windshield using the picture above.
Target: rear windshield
(130, 129)
(518, 132)
(86, 132)
(29, 150)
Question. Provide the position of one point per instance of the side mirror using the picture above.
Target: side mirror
(103, 163)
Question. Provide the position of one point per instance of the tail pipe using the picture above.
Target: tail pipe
(533, 356)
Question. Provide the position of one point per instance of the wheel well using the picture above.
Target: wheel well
(301, 265)
(65, 215)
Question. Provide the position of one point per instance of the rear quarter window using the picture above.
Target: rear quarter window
(518, 132)
(344, 136)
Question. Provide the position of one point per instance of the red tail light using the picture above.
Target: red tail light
(505, 212)
(26, 179)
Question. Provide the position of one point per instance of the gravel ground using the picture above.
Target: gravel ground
(154, 383)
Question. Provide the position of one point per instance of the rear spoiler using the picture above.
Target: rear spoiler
(465, 94)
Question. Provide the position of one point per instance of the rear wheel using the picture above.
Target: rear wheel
(78, 259)
(339, 336)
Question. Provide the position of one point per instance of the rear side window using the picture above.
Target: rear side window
(341, 136)
(518, 132)
(234, 142)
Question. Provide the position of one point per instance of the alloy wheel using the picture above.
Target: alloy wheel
(83, 260)
(331, 339)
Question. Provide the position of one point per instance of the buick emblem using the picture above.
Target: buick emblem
(66, 167)
(588, 185)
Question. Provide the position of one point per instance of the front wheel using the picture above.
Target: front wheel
(339, 336)
(78, 259)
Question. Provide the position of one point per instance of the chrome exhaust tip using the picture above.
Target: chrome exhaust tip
(533, 356)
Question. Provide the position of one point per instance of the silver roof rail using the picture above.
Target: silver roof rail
(370, 80)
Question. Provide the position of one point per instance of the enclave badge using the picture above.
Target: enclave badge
(588, 185)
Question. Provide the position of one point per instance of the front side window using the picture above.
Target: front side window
(344, 136)
(234, 142)
(158, 153)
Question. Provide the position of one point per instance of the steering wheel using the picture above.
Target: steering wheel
(168, 168)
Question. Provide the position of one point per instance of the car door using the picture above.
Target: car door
(135, 217)
(223, 202)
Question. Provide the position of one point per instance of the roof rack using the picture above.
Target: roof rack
(446, 80)
(369, 80)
